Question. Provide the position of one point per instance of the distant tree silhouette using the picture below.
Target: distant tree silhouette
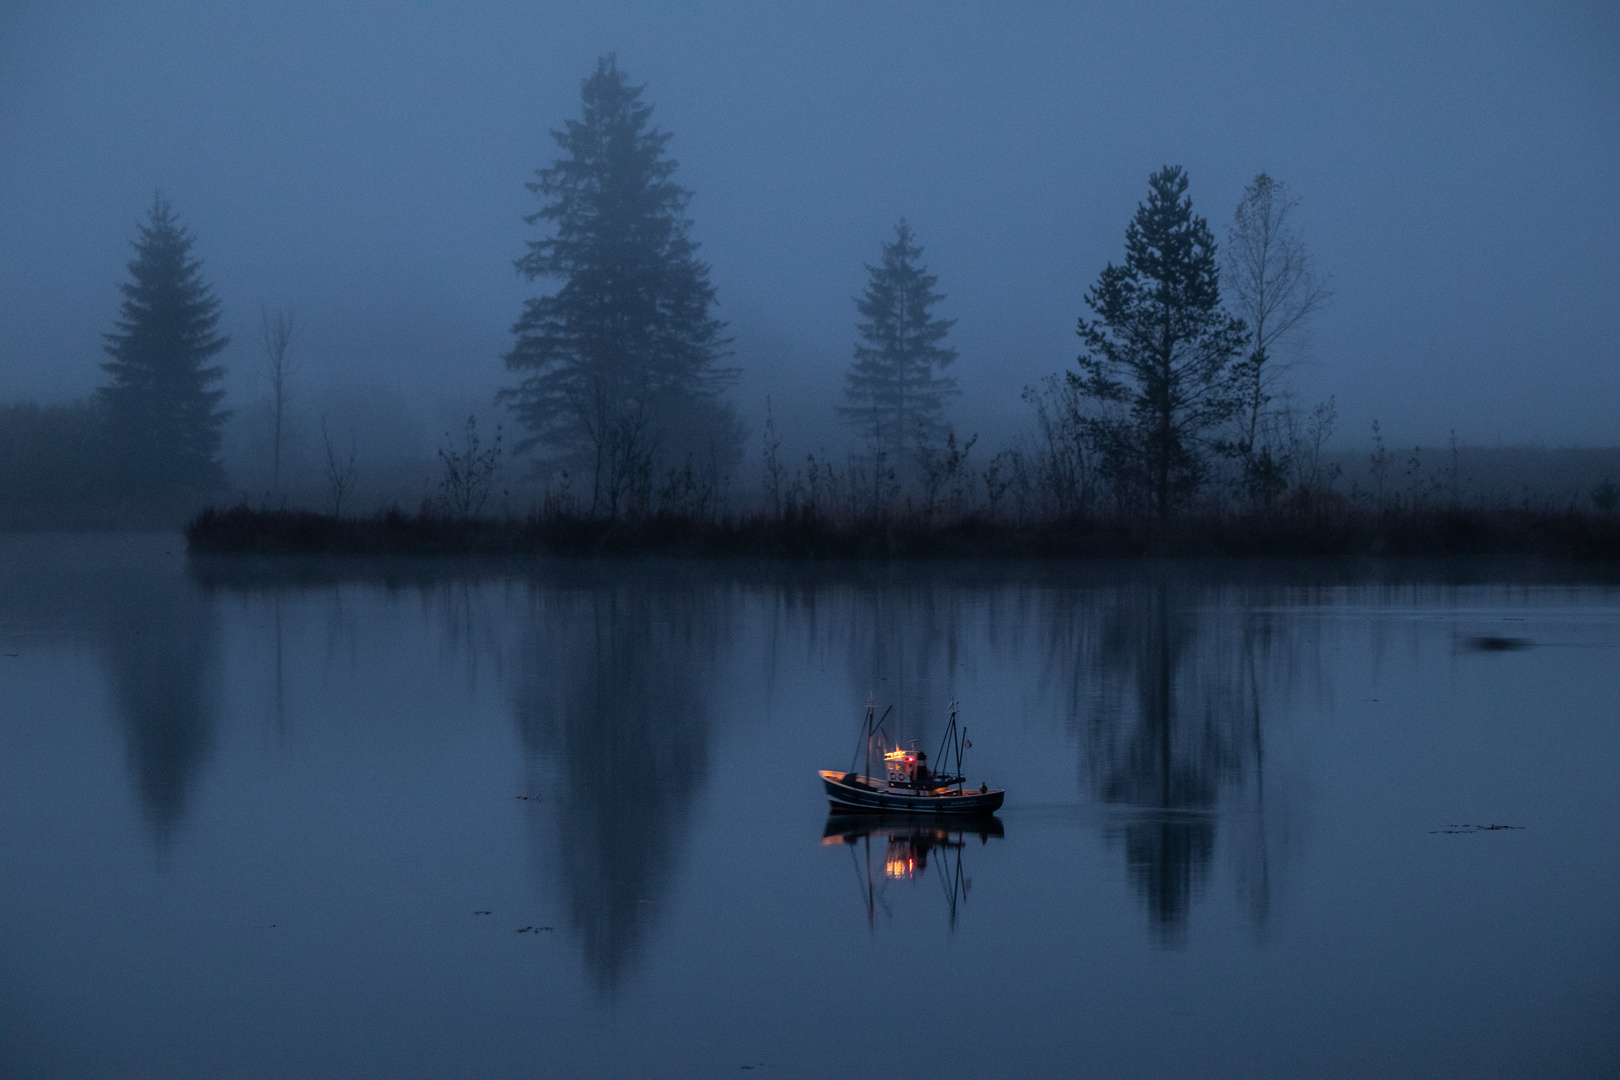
(162, 404)
(895, 387)
(1273, 290)
(1158, 356)
(339, 471)
(621, 364)
(277, 330)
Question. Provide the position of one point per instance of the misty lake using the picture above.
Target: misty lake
(303, 819)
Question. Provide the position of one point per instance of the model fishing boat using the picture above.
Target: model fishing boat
(910, 786)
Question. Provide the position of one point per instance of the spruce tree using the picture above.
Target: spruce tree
(162, 403)
(896, 387)
(621, 364)
(1158, 357)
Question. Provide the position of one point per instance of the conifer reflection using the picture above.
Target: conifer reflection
(1160, 759)
(905, 645)
(161, 657)
(1172, 728)
(613, 708)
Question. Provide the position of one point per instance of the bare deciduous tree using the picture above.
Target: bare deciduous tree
(1378, 465)
(1307, 439)
(774, 470)
(1273, 289)
(945, 475)
(1063, 466)
(469, 471)
(340, 472)
(277, 330)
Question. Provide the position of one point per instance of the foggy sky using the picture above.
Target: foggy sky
(1457, 169)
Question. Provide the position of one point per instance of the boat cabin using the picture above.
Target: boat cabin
(908, 769)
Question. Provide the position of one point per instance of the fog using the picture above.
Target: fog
(365, 166)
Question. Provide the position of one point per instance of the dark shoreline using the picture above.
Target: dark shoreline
(1452, 532)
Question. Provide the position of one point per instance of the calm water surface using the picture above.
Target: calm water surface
(373, 820)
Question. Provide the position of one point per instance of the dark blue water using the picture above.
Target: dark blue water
(251, 815)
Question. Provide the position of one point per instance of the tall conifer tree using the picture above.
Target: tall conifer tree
(162, 403)
(620, 364)
(896, 387)
(1159, 352)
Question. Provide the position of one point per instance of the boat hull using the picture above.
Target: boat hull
(847, 791)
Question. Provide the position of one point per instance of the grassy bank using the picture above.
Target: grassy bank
(1339, 530)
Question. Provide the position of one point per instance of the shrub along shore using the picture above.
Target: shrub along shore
(1334, 530)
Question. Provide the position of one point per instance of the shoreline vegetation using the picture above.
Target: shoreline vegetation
(1174, 433)
(1336, 529)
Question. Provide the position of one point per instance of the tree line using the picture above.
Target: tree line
(622, 375)
(1175, 405)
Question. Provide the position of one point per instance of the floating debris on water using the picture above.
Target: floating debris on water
(1474, 828)
(1498, 644)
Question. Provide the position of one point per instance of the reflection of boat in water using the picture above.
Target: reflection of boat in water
(910, 787)
(910, 843)
(848, 827)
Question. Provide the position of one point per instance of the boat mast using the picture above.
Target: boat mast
(871, 707)
(871, 730)
(954, 737)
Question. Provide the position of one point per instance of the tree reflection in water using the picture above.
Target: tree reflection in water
(1163, 755)
(160, 642)
(1167, 698)
(613, 709)
(1164, 675)
(905, 643)
(128, 598)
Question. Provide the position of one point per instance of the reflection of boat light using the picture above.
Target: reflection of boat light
(909, 845)
(911, 787)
